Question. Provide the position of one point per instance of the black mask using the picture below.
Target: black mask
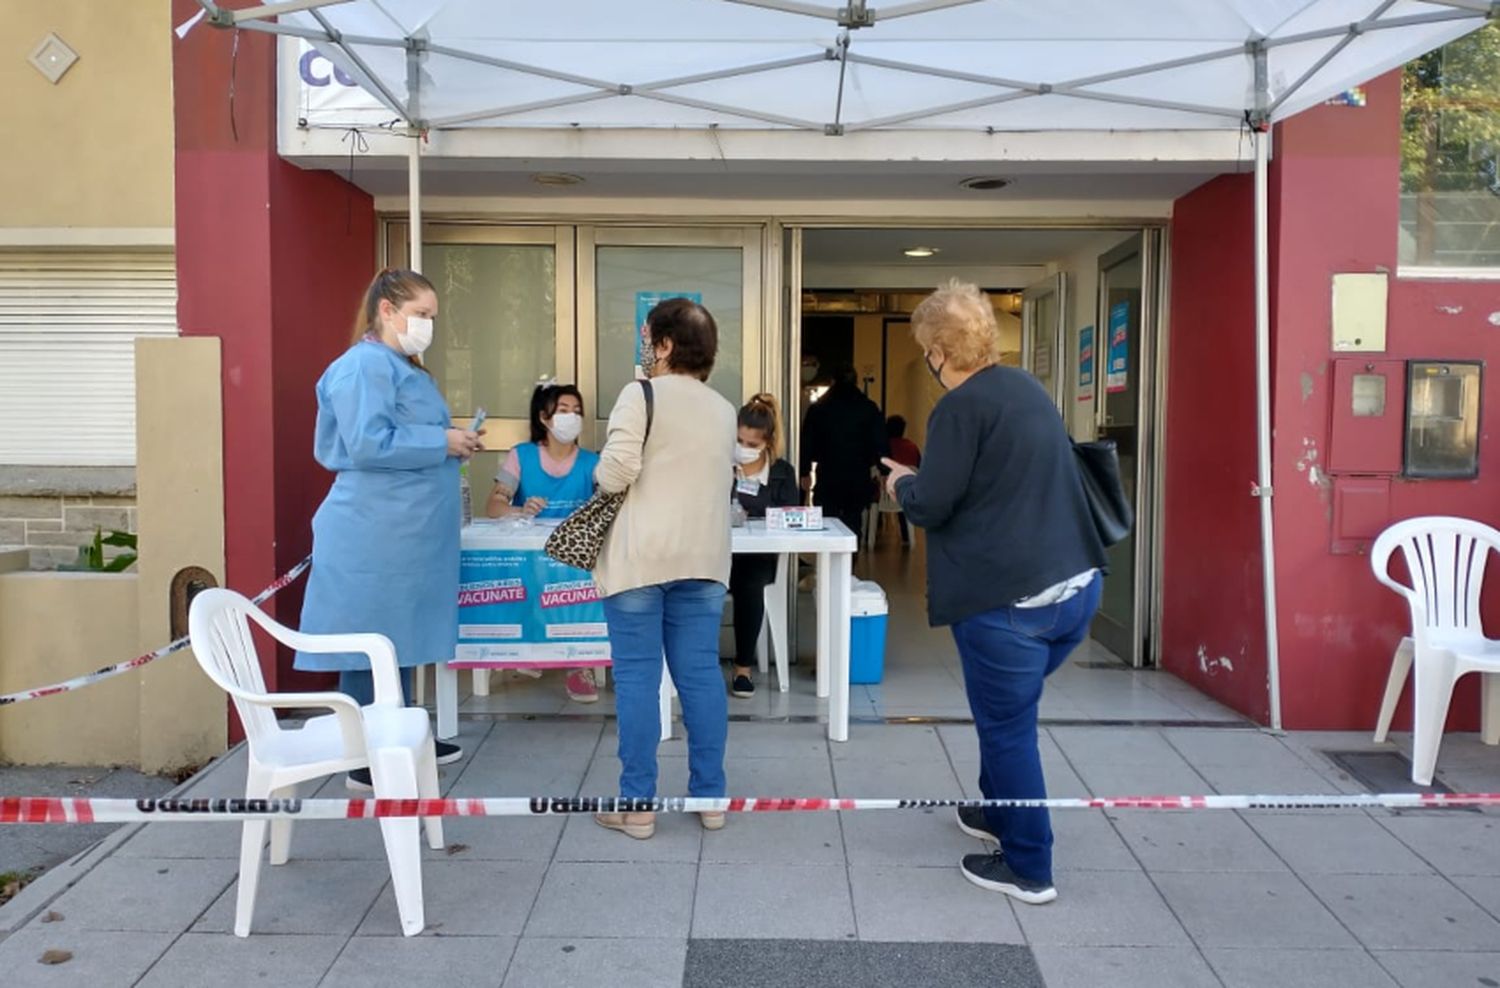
(936, 372)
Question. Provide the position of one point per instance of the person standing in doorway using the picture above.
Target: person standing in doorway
(906, 453)
(1013, 566)
(385, 539)
(843, 436)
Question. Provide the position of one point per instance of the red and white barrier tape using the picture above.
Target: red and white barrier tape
(50, 809)
(78, 682)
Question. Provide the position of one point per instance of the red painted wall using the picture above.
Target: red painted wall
(322, 258)
(1336, 208)
(272, 260)
(1213, 629)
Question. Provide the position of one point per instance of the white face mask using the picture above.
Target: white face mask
(566, 426)
(418, 335)
(746, 455)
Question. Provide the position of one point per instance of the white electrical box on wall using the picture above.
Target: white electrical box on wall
(1359, 313)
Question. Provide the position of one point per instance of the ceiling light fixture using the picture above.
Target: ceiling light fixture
(557, 180)
(920, 251)
(984, 183)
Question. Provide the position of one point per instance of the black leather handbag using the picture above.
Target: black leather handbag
(1099, 466)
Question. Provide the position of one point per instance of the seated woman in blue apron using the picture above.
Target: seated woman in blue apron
(550, 477)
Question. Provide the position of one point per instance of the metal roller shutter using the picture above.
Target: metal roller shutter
(68, 324)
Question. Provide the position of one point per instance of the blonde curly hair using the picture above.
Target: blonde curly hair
(959, 320)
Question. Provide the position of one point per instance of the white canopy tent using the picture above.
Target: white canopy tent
(908, 65)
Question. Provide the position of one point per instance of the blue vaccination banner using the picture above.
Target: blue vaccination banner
(523, 608)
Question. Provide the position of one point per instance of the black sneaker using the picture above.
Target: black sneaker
(447, 753)
(989, 871)
(359, 781)
(972, 822)
(742, 688)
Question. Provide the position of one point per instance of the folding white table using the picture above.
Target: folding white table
(834, 546)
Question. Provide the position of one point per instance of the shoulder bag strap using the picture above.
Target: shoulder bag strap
(650, 406)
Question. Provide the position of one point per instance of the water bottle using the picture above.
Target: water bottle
(738, 517)
(465, 496)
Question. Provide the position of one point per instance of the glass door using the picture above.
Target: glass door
(505, 318)
(1042, 332)
(1126, 354)
(623, 272)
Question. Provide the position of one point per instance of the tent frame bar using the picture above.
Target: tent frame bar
(857, 10)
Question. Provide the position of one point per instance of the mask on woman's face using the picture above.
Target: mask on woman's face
(936, 372)
(418, 335)
(566, 426)
(809, 373)
(746, 455)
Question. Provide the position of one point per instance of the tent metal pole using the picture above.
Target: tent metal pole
(1263, 490)
(414, 156)
(414, 197)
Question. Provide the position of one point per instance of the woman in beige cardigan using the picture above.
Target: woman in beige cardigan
(665, 564)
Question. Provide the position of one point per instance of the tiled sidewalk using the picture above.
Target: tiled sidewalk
(1147, 898)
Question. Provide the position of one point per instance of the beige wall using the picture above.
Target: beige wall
(183, 715)
(94, 150)
(54, 626)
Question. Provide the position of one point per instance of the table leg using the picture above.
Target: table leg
(825, 587)
(447, 700)
(481, 682)
(839, 607)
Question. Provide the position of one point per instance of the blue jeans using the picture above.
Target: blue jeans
(681, 620)
(1006, 655)
(361, 685)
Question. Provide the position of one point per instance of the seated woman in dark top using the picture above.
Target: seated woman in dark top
(761, 480)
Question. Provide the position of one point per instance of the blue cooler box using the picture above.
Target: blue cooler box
(868, 616)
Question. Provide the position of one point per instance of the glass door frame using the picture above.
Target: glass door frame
(1150, 245)
(505, 433)
(750, 239)
(1031, 335)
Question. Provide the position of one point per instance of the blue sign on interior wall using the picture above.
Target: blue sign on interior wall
(1118, 372)
(1086, 363)
(644, 303)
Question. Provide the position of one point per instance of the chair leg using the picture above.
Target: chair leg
(252, 841)
(668, 689)
(762, 643)
(1489, 717)
(281, 829)
(1435, 676)
(1395, 682)
(427, 788)
(776, 621)
(394, 773)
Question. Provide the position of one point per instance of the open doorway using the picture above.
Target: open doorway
(1076, 307)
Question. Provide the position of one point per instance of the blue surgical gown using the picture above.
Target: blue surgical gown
(386, 539)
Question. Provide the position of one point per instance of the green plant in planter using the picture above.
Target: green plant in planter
(91, 556)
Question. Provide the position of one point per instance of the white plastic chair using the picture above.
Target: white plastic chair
(1446, 558)
(773, 632)
(393, 740)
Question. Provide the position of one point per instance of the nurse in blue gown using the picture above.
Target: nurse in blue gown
(386, 538)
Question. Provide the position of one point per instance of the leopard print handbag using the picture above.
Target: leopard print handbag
(579, 538)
